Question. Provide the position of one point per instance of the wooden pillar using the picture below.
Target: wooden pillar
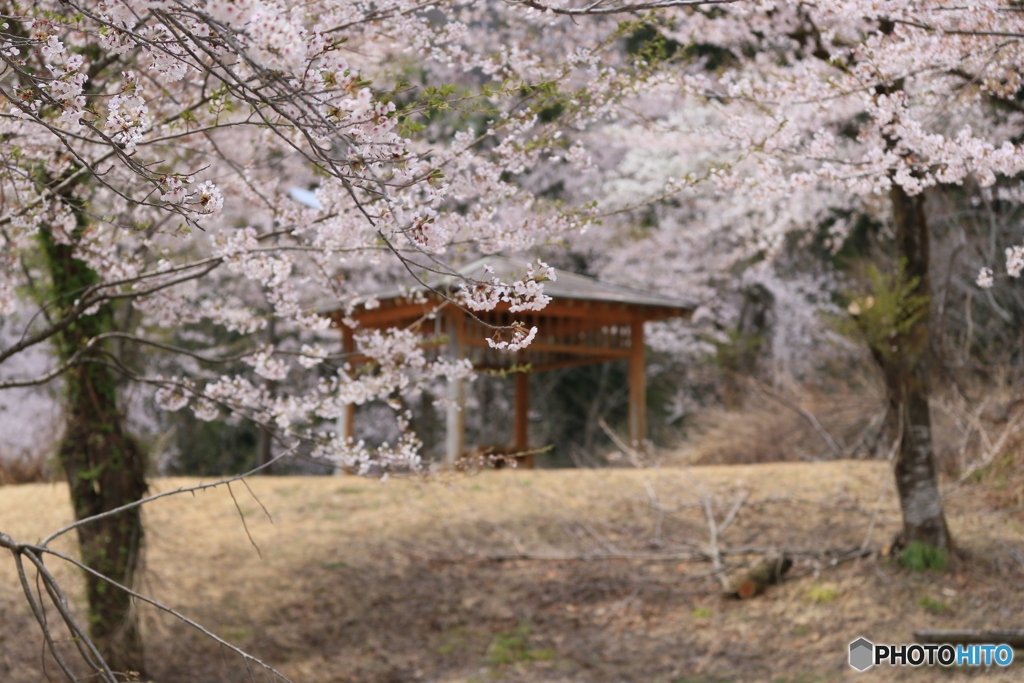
(347, 422)
(346, 426)
(521, 440)
(455, 437)
(637, 387)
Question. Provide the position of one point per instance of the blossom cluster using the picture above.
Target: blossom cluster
(521, 338)
(524, 294)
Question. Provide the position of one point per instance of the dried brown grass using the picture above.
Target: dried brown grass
(967, 434)
(25, 468)
(349, 571)
(768, 428)
(375, 583)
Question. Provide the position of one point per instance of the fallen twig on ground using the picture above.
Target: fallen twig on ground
(839, 558)
(971, 637)
(832, 556)
(715, 531)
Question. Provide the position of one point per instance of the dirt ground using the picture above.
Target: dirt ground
(568, 576)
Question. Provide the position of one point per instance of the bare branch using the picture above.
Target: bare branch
(596, 8)
(90, 653)
(958, 32)
(245, 524)
(184, 489)
(37, 611)
(163, 608)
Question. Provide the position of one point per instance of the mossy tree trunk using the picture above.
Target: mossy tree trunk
(104, 465)
(908, 384)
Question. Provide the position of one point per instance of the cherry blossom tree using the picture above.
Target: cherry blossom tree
(776, 119)
(169, 165)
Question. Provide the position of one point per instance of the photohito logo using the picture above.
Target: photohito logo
(864, 654)
(861, 654)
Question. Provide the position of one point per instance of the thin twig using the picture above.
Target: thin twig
(666, 556)
(656, 504)
(149, 499)
(159, 606)
(888, 481)
(627, 450)
(90, 653)
(808, 416)
(835, 561)
(594, 8)
(619, 606)
(245, 525)
(1011, 428)
(713, 550)
(740, 500)
(40, 617)
(258, 501)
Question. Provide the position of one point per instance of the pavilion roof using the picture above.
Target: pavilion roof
(567, 285)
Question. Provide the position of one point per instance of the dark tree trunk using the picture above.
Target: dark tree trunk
(909, 384)
(104, 465)
(105, 469)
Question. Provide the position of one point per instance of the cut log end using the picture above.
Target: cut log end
(747, 589)
(763, 573)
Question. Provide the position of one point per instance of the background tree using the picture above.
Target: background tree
(801, 119)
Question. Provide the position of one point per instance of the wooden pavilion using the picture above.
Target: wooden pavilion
(587, 321)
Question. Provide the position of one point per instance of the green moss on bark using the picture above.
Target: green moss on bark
(104, 465)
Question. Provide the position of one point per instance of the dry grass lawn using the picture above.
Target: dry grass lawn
(548, 575)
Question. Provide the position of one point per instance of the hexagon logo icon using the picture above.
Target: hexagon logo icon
(862, 654)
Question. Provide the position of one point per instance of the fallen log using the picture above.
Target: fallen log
(763, 573)
(969, 637)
